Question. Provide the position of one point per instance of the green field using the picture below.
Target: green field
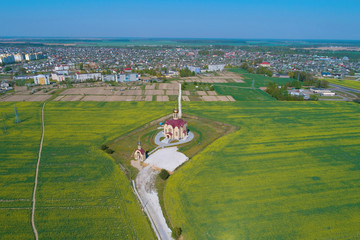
(81, 191)
(18, 154)
(345, 83)
(260, 80)
(290, 172)
(243, 94)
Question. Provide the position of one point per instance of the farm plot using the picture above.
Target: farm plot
(154, 92)
(162, 98)
(219, 77)
(169, 86)
(71, 98)
(88, 91)
(290, 172)
(25, 98)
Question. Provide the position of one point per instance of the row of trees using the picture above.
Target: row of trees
(280, 92)
(186, 73)
(259, 70)
(308, 79)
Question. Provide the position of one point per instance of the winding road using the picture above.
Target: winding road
(37, 174)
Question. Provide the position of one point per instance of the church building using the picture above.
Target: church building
(175, 128)
(139, 153)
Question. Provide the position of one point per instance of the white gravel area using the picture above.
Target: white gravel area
(167, 158)
(145, 183)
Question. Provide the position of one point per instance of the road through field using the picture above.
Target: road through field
(344, 88)
(36, 175)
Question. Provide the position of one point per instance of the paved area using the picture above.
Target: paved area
(167, 158)
(166, 143)
(345, 88)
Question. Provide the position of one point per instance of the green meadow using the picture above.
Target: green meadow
(259, 79)
(291, 171)
(81, 192)
(243, 91)
(243, 94)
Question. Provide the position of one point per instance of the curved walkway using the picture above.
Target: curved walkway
(36, 175)
(165, 142)
(147, 194)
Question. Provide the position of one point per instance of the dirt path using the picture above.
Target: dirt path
(36, 175)
(145, 184)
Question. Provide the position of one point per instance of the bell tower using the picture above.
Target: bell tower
(175, 114)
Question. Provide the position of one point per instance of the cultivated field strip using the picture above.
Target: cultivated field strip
(79, 184)
(290, 172)
(37, 174)
(18, 153)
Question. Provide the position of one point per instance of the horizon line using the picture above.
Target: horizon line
(185, 38)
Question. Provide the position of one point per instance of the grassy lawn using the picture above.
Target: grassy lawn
(260, 80)
(345, 83)
(290, 172)
(243, 94)
(205, 132)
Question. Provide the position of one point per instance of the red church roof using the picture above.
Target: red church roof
(142, 151)
(175, 122)
(264, 63)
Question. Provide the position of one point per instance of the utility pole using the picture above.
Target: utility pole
(17, 119)
(3, 118)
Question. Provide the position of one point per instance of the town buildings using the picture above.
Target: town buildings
(216, 67)
(42, 79)
(88, 76)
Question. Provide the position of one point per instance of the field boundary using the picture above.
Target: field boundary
(37, 174)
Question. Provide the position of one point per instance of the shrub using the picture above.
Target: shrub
(164, 174)
(109, 151)
(104, 147)
(176, 232)
(314, 97)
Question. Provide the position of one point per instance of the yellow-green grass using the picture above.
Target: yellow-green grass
(243, 94)
(81, 193)
(345, 83)
(290, 172)
(18, 155)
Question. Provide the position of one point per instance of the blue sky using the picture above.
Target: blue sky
(276, 19)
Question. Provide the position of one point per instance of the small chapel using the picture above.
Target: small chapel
(139, 153)
(176, 128)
